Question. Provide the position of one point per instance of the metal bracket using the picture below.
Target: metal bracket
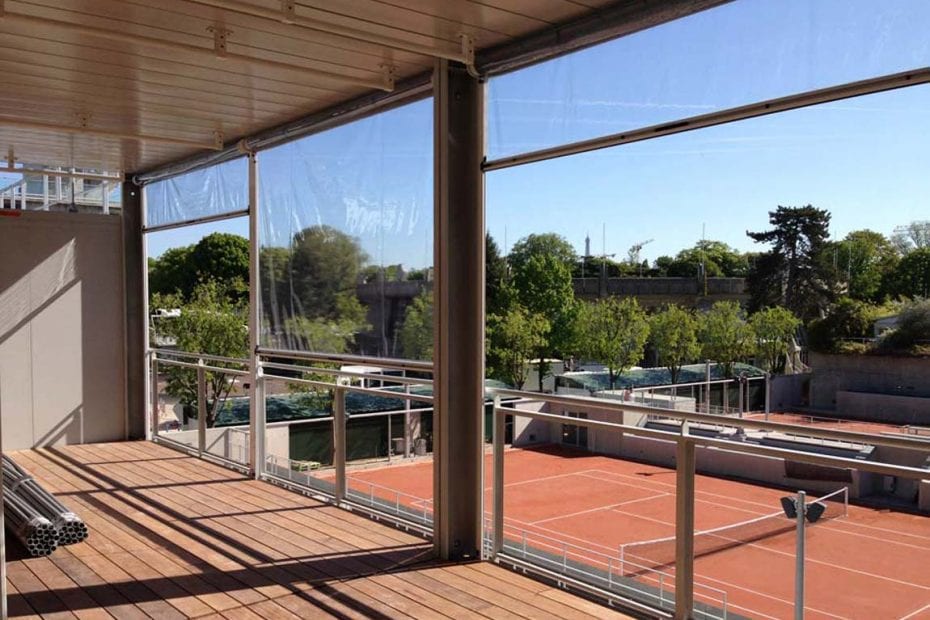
(220, 35)
(83, 119)
(10, 156)
(468, 55)
(288, 11)
(388, 74)
(218, 139)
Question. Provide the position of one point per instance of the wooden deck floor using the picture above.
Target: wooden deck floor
(175, 537)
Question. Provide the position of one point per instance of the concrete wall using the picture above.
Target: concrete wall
(883, 374)
(790, 392)
(885, 407)
(62, 337)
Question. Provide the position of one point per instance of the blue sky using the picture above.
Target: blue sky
(864, 159)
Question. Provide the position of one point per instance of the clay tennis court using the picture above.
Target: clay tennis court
(869, 564)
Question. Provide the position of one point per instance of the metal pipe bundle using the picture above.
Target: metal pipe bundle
(43, 521)
(36, 532)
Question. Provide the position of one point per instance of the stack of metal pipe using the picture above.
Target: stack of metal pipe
(34, 515)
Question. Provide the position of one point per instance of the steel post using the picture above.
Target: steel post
(459, 244)
(684, 528)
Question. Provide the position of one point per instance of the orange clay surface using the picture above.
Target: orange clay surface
(869, 565)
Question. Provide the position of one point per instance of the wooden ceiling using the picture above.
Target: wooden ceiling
(129, 85)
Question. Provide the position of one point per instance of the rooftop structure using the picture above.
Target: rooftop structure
(343, 136)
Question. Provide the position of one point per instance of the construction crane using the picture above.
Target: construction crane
(634, 252)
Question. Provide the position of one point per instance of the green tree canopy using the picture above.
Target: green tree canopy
(512, 339)
(725, 336)
(775, 328)
(548, 244)
(613, 332)
(912, 333)
(218, 257)
(673, 333)
(719, 260)
(911, 277)
(863, 259)
(209, 323)
(793, 273)
(542, 284)
(846, 319)
(496, 278)
(416, 332)
(324, 271)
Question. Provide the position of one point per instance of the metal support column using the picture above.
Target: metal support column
(459, 309)
(135, 288)
(256, 404)
(684, 528)
(201, 408)
(339, 442)
(498, 484)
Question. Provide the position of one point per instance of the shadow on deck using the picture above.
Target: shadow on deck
(176, 537)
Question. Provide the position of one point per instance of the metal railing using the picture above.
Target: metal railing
(318, 371)
(498, 547)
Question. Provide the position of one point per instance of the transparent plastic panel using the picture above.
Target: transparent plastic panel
(735, 54)
(346, 237)
(643, 210)
(203, 193)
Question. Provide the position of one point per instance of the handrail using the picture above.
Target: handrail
(356, 388)
(348, 373)
(193, 366)
(602, 404)
(726, 444)
(346, 358)
(198, 356)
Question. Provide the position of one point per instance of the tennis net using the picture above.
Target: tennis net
(657, 554)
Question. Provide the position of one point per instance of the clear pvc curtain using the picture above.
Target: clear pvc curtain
(209, 192)
(347, 238)
(732, 55)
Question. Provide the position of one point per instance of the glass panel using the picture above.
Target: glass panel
(347, 233)
(207, 192)
(735, 54)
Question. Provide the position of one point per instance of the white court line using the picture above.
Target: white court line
(839, 530)
(788, 602)
(808, 558)
(532, 480)
(754, 513)
(607, 507)
(668, 484)
(885, 529)
(914, 613)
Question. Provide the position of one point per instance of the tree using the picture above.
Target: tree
(913, 236)
(912, 333)
(793, 274)
(547, 244)
(495, 277)
(325, 265)
(725, 335)
(864, 258)
(416, 333)
(846, 319)
(209, 323)
(911, 276)
(218, 257)
(172, 273)
(718, 259)
(673, 333)
(614, 332)
(542, 284)
(512, 338)
(774, 328)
